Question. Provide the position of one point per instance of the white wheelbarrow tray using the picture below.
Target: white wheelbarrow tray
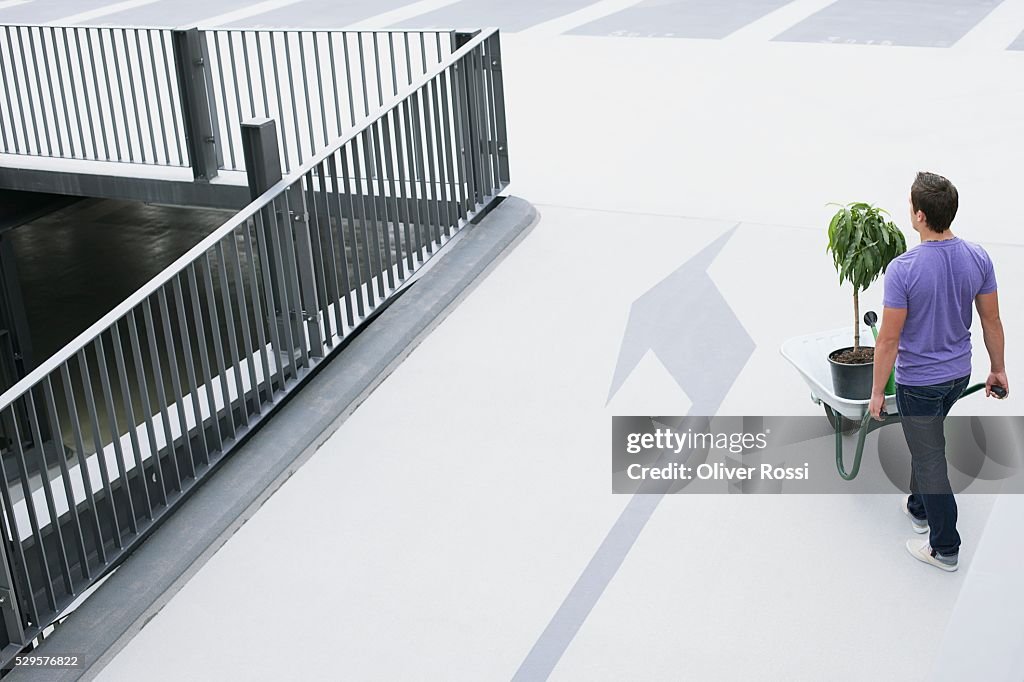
(809, 354)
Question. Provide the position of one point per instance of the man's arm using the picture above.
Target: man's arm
(886, 345)
(992, 328)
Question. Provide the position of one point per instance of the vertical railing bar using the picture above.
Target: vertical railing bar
(21, 561)
(159, 98)
(332, 165)
(33, 517)
(179, 396)
(332, 282)
(420, 131)
(400, 139)
(28, 90)
(161, 395)
(374, 234)
(190, 369)
(334, 79)
(301, 35)
(482, 176)
(295, 293)
(134, 95)
(414, 197)
(391, 197)
(242, 35)
(316, 246)
(171, 89)
(65, 474)
(83, 464)
(352, 226)
(110, 91)
(492, 116)
(229, 320)
(383, 230)
(97, 438)
(234, 79)
(120, 91)
(280, 101)
(243, 308)
(348, 83)
(228, 118)
(20, 564)
(429, 132)
(203, 264)
(53, 97)
(108, 401)
(320, 88)
(362, 74)
(358, 185)
(74, 90)
(423, 51)
(376, 73)
(442, 168)
(480, 82)
(271, 315)
(261, 319)
(133, 432)
(7, 92)
(99, 98)
(204, 356)
(147, 407)
(280, 274)
(291, 92)
(452, 138)
(263, 77)
(39, 86)
(85, 92)
(394, 71)
(145, 100)
(460, 138)
(408, 57)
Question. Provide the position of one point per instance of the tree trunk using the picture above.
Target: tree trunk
(856, 321)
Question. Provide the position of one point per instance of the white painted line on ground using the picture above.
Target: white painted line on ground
(245, 13)
(396, 16)
(996, 31)
(100, 12)
(777, 21)
(4, 4)
(582, 16)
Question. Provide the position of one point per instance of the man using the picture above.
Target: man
(926, 332)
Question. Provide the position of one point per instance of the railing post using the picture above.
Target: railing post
(192, 67)
(471, 131)
(309, 307)
(498, 88)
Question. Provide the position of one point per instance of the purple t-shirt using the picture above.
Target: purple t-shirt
(937, 282)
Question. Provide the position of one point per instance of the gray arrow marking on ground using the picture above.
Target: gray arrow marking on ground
(689, 325)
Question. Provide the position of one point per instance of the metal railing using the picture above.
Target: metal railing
(315, 84)
(177, 97)
(107, 436)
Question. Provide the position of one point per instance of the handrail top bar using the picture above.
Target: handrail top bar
(87, 336)
(239, 29)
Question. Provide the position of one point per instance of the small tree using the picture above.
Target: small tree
(862, 242)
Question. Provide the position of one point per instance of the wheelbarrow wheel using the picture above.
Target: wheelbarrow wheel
(838, 421)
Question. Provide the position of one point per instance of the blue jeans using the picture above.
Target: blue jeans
(923, 410)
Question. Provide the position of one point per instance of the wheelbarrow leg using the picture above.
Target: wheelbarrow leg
(867, 425)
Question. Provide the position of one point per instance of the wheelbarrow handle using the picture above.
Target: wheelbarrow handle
(998, 390)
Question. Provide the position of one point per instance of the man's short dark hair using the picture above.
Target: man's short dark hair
(937, 198)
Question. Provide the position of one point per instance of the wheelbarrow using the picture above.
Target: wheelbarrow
(809, 355)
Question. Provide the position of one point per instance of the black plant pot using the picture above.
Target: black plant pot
(852, 382)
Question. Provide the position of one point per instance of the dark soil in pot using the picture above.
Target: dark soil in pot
(852, 372)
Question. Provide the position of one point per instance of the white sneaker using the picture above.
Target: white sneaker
(922, 551)
(916, 524)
